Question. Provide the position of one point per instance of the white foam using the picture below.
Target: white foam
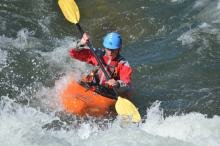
(44, 23)
(192, 35)
(49, 96)
(207, 28)
(187, 37)
(193, 128)
(179, 1)
(5, 42)
(218, 5)
(22, 125)
(3, 59)
(211, 12)
(24, 40)
(200, 3)
(60, 58)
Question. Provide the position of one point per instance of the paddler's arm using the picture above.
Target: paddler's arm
(82, 52)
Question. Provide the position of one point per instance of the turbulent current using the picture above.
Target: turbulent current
(172, 45)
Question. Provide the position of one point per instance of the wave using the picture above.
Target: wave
(22, 125)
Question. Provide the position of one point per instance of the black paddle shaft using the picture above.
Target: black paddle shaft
(97, 58)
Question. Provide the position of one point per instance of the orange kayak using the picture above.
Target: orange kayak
(81, 101)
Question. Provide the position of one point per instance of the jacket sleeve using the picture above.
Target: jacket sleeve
(84, 55)
(125, 75)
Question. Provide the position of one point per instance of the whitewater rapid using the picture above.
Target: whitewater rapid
(22, 125)
(35, 67)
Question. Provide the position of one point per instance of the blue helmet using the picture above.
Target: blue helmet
(112, 41)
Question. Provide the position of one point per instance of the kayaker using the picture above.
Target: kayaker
(116, 65)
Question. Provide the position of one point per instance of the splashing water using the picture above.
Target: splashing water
(23, 126)
(173, 46)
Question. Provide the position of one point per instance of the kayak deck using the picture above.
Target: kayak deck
(81, 101)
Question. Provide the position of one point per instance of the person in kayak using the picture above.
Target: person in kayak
(117, 66)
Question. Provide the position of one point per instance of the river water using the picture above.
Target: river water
(173, 46)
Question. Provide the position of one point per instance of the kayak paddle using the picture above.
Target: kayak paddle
(123, 106)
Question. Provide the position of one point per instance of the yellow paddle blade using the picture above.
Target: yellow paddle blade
(126, 109)
(70, 10)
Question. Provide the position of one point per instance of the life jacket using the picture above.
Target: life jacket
(111, 67)
(96, 78)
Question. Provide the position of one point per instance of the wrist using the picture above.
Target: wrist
(79, 45)
(117, 84)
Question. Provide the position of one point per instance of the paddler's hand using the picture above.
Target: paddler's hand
(85, 39)
(112, 83)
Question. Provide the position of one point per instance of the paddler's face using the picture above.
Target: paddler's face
(112, 53)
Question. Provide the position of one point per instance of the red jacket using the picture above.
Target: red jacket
(119, 66)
